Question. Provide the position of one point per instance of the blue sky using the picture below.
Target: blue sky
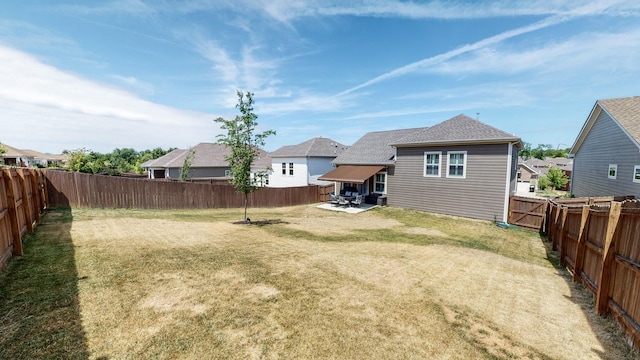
(142, 74)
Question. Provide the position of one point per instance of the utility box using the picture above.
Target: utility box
(382, 200)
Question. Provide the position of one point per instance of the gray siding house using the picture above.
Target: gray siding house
(208, 162)
(459, 167)
(366, 165)
(606, 153)
(302, 164)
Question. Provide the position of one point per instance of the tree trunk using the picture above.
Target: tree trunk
(246, 201)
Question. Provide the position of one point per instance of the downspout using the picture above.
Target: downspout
(507, 188)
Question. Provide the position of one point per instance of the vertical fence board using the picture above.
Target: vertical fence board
(602, 296)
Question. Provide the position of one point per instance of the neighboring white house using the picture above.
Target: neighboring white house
(302, 164)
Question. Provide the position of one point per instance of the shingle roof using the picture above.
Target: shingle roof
(626, 111)
(164, 160)
(458, 129)
(26, 153)
(373, 148)
(13, 152)
(206, 155)
(316, 147)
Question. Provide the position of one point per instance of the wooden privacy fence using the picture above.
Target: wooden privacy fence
(600, 245)
(532, 213)
(85, 190)
(22, 200)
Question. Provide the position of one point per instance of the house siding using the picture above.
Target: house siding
(514, 169)
(606, 143)
(174, 173)
(300, 172)
(480, 195)
(319, 166)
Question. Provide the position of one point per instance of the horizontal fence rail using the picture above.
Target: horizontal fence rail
(22, 200)
(85, 190)
(599, 242)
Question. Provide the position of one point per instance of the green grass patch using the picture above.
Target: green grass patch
(39, 311)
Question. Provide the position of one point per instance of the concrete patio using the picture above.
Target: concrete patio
(347, 209)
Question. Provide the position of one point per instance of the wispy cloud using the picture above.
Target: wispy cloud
(286, 11)
(438, 59)
(36, 96)
(136, 84)
(131, 7)
(574, 55)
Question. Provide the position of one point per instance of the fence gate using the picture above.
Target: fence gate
(527, 212)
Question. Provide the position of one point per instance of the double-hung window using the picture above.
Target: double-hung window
(432, 163)
(613, 171)
(636, 173)
(284, 169)
(380, 183)
(457, 164)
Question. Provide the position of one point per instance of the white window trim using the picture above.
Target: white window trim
(635, 169)
(424, 169)
(464, 164)
(376, 182)
(284, 169)
(615, 167)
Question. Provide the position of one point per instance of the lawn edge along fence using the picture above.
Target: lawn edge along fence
(599, 244)
(22, 199)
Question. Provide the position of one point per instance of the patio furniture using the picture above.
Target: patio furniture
(334, 199)
(343, 202)
(357, 201)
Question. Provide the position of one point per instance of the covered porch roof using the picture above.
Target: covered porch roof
(355, 174)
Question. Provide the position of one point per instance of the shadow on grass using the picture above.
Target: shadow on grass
(609, 333)
(260, 222)
(39, 304)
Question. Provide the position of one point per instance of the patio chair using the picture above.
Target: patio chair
(357, 201)
(334, 199)
(342, 201)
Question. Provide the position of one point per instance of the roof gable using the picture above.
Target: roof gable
(458, 129)
(374, 148)
(316, 147)
(625, 112)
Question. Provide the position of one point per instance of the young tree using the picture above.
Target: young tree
(244, 145)
(557, 178)
(186, 164)
(525, 152)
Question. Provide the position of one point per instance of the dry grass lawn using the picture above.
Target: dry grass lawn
(304, 283)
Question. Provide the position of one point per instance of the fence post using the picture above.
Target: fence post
(42, 184)
(26, 204)
(13, 213)
(35, 202)
(577, 271)
(563, 231)
(604, 281)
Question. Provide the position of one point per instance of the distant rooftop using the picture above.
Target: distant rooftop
(316, 147)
